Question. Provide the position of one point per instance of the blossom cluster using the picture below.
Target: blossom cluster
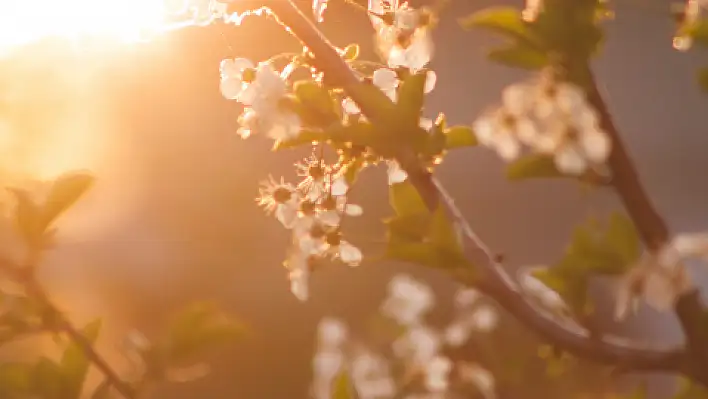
(550, 117)
(403, 33)
(313, 209)
(691, 14)
(660, 277)
(426, 371)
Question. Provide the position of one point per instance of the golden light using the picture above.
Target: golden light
(25, 21)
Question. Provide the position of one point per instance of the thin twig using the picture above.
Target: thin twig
(62, 324)
(497, 284)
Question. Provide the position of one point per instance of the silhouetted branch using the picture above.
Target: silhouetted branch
(654, 232)
(24, 276)
(495, 281)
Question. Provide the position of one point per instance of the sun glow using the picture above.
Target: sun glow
(26, 21)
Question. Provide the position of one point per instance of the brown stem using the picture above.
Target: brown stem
(497, 283)
(653, 230)
(61, 324)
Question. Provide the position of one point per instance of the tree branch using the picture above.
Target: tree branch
(62, 324)
(497, 283)
(654, 232)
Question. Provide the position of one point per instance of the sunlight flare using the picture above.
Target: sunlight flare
(23, 22)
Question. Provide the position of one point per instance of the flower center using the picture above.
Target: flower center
(282, 195)
(317, 231)
(334, 238)
(329, 203)
(307, 207)
(316, 171)
(248, 75)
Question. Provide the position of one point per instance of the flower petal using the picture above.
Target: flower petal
(385, 79)
(350, 254)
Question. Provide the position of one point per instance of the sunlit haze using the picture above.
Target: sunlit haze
(26, 21)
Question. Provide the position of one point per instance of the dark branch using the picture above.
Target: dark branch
(654, 232)
(497, 283)
(61, 324)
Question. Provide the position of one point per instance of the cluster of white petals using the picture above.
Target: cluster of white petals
(313, 211)
(549, 117)
(659, 278)
(403, 34)
(420, 347)
(261, 89)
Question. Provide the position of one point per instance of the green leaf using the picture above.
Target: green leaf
(533, 166)
(611, 250)
(571, 30)
(622, 237)
(690, 390)
(416, 252)
(519, 55)
(65, 192)
(504, 20)
(74, 364)
(698, 31)
(641, 392)
(351, 52)
(28, 216)
(200, 327)
(702, 76)
(342, 388)
(405, 200)
(408, 228)
(443, 234)
(319, 106)
(375, 98)
(411, 97)
(460, 136)
(15, 380)
(48, 380)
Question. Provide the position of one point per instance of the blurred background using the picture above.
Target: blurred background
(173, 219)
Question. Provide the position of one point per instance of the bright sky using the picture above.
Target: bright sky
(25, 21)
(82, 137)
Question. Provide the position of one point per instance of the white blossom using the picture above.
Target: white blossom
(405, 40)
(233, 81)
(419, 345)
(395, 173)
(437, 374)
(261, 89)
(480, 377)
(371, 376)
(484, 318)
(279, 199)
(504, 132)
(532, 10)
(318, 8)
(660, 278)
(299, 274)
(204, 12)
(326, 366)
(550, 117)
(407, 300)
(332, 332)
